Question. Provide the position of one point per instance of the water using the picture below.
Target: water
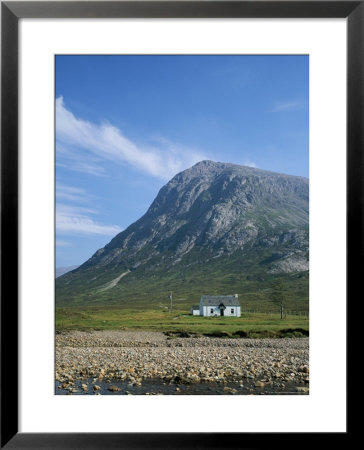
(157, 387)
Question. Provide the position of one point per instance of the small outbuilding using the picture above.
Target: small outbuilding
(220, 305)
(195, 310)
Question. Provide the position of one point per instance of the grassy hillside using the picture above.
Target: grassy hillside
(238, 274)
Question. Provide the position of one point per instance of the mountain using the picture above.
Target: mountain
(213, 228)
(62, 270)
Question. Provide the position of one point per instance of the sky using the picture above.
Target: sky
(125, 125)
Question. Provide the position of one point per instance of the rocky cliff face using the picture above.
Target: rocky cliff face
(211, 211)
(221, 207)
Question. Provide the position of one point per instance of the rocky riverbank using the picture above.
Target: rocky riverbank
(87, 360)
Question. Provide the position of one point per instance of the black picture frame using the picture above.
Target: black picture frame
(11, 12)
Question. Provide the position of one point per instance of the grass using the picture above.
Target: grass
(146, 287)
(180, 322)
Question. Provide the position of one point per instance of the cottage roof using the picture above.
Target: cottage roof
(195, 306)
(215, 300)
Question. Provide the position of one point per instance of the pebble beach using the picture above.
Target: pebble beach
(125, 361)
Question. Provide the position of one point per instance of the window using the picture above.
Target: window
(212, 310)
(232, 310)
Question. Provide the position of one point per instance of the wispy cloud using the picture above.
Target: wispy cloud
(75, 220)
(77, 160)
(108, 143)
(71, 193)
(61, 243)
(283, 106)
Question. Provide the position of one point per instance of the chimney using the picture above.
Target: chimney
(236, 295)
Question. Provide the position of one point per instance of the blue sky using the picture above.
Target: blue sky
(125, 125)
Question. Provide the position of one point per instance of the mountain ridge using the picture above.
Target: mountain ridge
(211, 211)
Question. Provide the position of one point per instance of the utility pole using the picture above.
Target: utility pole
(171, 299)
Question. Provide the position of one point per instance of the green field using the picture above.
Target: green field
(179, 322)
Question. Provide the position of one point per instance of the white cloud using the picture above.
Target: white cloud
(74, 219)
(72, 159)
(70, 193)
(285, 106)
(108, 143)
(71, 218)
(250, 164)
(61, 243)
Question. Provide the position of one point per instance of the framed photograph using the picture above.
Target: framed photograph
(200, 221)
(181, 221)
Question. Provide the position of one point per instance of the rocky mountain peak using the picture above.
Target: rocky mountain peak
(213, 205)
(213, 211)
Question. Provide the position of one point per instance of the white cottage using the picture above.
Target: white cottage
(220, 305)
